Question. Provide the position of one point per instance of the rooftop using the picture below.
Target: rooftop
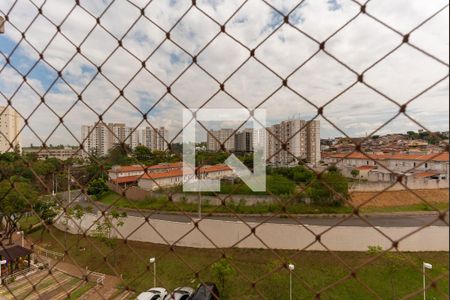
(439, 157)
(14, 252)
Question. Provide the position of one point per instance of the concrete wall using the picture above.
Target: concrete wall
(133, 192)
(236, 234)
(137, 194)
(419, 184)
(247, 200)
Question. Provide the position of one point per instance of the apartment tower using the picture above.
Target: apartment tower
(10, 126)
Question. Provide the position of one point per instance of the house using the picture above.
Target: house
(154, 181)
(385, 167)
(130, 174)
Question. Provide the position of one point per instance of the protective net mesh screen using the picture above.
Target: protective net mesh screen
(98, 88)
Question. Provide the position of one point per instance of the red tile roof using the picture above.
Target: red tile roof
(426, 174)
(129, 179)
(179, 172)
(439, 157)
(137, 168)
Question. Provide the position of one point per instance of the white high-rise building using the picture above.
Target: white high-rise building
(96, 139)
(223, 136)
(244, 140)
(100, 138)
(302, 140)
(10, 126)
(132, 137)
(154, 139)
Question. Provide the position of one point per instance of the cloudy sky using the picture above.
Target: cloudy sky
(282, 51)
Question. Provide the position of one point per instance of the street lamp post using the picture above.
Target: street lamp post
(68, 183)
(21, 234)
(2, 262)
(53, 184)
(291, 269)
(424, 268)
(153, 261)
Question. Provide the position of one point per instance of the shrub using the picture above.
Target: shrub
(97, 187)
(330, 189)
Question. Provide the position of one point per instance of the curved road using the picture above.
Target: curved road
(370, 220)
(424, 232)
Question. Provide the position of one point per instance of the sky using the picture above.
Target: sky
(282, 51)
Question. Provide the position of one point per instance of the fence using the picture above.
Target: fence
(72, 72)
(47, 253)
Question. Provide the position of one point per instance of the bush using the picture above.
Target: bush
(279, 185)
(330, 189)
(97, 187)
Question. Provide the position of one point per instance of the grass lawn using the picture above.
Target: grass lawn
(83, 289)
(162, 204)
(392, 276)
(407, 208)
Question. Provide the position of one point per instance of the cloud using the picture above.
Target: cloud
(134, 56)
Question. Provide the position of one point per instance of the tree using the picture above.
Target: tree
(17, 198)
(78, 214)
(47, 210)
(222, 270)
(118, 155)
(142, 154)
(97, 187)
(355, 173)
(104, 228)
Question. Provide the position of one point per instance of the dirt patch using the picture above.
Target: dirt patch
(399, 198)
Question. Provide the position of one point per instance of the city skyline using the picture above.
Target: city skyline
(401, 76)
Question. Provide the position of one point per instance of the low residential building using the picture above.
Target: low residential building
(58, 153)
(163, 175)
(155, 181)
(132, 173)
(384, 167)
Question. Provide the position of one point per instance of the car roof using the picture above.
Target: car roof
(148, 296)
(183, 289)
(157, 290)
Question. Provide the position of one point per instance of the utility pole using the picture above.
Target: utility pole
(68, 183)
(53, 184)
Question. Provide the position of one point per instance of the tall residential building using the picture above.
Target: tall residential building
(96, 139)
(117, 133)
(100, 138)
(10, 125)
(154, 139)
(302, 141)
(222, 135)
(244, 140)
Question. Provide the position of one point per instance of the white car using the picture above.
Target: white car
(182, 293)
(153, 294)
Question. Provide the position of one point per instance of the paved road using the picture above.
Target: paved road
(378, 220)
